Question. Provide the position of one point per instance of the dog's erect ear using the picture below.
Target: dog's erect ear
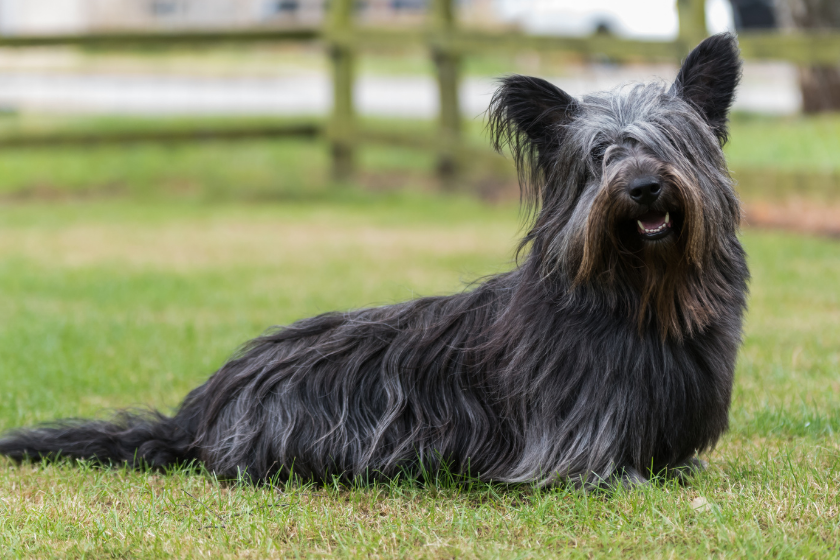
(527, 106)
(708, 78)
(526, 114)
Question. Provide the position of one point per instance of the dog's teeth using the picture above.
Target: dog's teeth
(641, 227)
(667, 218)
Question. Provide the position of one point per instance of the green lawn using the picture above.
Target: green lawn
(133, 301)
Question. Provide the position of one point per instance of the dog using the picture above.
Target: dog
(607, 354)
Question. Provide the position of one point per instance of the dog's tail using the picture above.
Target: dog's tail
(139, 439)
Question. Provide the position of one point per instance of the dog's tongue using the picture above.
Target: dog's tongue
(653, 220)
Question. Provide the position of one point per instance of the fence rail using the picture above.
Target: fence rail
(447, 45)
(163, 134)
(132, 39)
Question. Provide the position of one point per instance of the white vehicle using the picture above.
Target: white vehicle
(638, 19)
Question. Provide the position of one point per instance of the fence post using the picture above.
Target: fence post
(342, 56)
(448, 65)
(692, 17)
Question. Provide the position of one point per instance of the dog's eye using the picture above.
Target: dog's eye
(598, 152)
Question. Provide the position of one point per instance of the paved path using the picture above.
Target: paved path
(766, 88)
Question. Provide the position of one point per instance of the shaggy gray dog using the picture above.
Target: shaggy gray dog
(607, 353)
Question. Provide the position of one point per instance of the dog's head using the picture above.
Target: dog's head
(630, 187)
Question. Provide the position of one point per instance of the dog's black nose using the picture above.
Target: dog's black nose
(644, 190)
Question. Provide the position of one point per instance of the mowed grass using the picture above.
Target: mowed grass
(114, 303)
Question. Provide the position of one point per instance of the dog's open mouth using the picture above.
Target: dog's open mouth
(654, 225)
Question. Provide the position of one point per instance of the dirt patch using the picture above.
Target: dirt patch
(801, 215)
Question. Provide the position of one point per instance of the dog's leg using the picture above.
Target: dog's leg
(630, 478)
(684, 471)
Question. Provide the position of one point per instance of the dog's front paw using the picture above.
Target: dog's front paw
(684, 471)
(630, 477)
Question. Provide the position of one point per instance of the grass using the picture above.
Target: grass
(790, 143)
(123, 301)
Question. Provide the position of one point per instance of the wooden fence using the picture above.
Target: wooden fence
(447, 44)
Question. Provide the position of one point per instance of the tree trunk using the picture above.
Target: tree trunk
(820, 85)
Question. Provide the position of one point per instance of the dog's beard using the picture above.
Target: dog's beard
(664, 275)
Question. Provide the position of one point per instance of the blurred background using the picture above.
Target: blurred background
(294, 80)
